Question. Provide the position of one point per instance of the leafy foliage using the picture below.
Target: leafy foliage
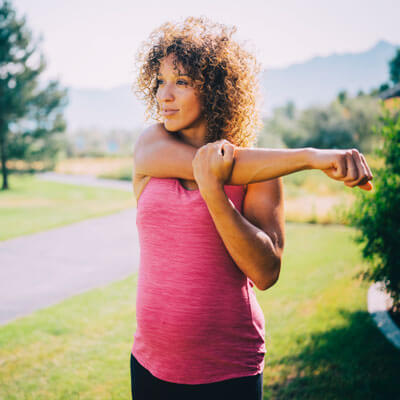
(394, 67)
(344, 123)
(377, 214)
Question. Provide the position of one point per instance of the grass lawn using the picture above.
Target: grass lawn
(32, 205)
(321, 341)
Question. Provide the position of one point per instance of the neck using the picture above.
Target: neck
(194, 136)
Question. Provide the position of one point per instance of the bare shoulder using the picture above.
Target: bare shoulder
(150, 134)
(153, 133)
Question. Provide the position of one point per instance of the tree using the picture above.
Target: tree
(344, 123)
(327, 128)
(394, 67)
(383, 87)
(289, 110)
(30, 116)
(342, 96)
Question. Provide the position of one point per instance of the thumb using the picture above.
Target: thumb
(366, 186)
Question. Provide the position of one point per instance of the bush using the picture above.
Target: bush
(344, 123)
(377, 213)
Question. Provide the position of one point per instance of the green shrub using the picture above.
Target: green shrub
(376, 214)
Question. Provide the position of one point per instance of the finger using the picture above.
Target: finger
(228, 151)
(362, 171)
(339, 168)
(352, 173)
(220, 147)
(364, 161)
(221, 143)
(368, 186)
(223, 149)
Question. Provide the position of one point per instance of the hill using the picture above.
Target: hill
(317, 80)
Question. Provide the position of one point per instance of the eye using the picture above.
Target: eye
(183, 82)
(158, 81)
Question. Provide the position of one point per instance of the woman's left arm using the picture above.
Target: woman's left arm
(255, 239)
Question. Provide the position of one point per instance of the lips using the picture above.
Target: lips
(168, 111)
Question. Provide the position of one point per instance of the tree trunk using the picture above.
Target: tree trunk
(3, 159)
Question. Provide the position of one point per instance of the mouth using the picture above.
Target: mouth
(168, 112)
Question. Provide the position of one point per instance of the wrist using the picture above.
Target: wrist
(310, 158)
(211, 191)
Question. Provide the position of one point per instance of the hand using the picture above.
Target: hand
(349, 166)
(213, 164)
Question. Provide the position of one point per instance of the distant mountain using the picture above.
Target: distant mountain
(321, 78)
(116, 108)
(315, 81)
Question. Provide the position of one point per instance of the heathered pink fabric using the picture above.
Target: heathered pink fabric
(198, 320)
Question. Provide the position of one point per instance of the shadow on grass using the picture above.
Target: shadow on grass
(354, 361)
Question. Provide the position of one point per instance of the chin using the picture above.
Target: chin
(171, 127)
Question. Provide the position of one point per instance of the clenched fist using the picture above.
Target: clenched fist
(213, 163)
(348, 166)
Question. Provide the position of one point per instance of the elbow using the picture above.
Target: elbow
(272, 276)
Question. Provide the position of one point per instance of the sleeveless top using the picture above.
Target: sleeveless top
(198, 319)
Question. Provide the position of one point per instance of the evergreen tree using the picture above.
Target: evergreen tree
(394, 67)
(30, 117)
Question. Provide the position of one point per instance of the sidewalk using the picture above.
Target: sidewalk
(86, 180)
(45, 268)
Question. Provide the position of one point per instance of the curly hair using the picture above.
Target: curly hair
(226, 75)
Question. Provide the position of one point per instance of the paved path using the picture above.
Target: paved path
(44, 268)
(87, 180)
(378, 304)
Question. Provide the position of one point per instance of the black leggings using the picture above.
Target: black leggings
(146, 386)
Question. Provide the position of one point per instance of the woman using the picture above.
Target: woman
(210, 216)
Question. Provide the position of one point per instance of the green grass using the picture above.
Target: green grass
(32, 205)
(123, 174)
(321, 342)
(78, 349)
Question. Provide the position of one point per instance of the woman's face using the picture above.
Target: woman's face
(178, 99)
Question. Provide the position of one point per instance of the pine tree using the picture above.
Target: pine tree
(30, 116)
(394, 67)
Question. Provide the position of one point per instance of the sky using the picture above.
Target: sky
(92, 43)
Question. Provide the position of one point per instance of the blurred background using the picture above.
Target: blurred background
(330, 79)
(325, 66)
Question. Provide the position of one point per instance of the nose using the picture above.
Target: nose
(165, 93)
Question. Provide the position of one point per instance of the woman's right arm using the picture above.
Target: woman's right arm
(160, 154)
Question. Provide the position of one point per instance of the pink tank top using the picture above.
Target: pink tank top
(198, 319)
